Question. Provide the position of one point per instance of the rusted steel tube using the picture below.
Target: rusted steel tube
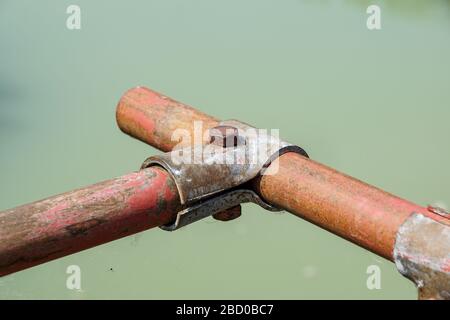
(64, 224)
(152, 117)
(341, 204)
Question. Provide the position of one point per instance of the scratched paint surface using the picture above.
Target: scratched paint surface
(372, 104)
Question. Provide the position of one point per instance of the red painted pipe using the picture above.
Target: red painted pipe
(64, 224)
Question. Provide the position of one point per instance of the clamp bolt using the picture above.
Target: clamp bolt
(225, 137)
(229, 214)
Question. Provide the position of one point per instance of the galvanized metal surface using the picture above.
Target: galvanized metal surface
(218, 203)
(422, 254)
(200, 171)
(64, 224)
(440, 211)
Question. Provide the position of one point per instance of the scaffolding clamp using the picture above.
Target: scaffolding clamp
(216, 177)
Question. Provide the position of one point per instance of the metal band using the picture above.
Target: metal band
(422, 254)
(216, 204)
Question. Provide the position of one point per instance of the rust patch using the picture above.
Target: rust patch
(83, 227)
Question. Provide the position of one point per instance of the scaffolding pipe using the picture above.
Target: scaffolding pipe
(70, 222)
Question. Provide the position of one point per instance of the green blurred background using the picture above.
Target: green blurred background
(373, 104)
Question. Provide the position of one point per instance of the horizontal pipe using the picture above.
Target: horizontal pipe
(334, 201)
(67, 223)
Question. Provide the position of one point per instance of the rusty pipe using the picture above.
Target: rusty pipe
(64, 224)
(350, 208)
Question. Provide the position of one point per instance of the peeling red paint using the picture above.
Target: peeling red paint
(446, 266)
(77, 220)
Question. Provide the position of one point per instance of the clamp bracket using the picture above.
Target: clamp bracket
(422, 254)
(214, 177)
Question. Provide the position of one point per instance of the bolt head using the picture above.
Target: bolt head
(225, 136)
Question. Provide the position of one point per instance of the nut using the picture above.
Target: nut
(225, 136)
(229, 214)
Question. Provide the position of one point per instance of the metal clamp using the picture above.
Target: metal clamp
(213, 177)
(422, 254)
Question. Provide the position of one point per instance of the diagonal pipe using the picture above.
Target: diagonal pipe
(74, 221)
